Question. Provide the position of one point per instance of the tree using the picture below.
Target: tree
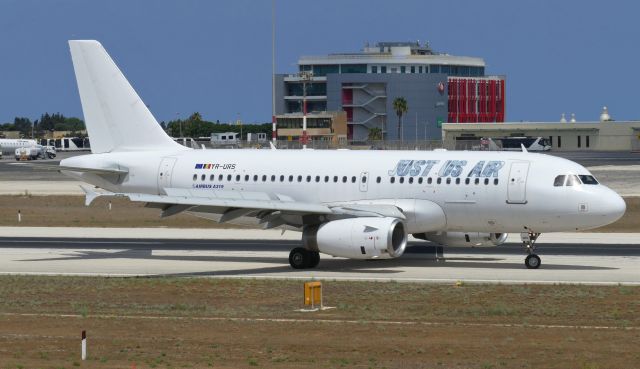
(400, 106)
(23, 125)
(375, 134)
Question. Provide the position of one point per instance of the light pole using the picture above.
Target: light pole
(305, 76)
(179, 122)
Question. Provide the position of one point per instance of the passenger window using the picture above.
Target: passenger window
(326, 179)
(264, 178)
(364, 179)
(308, 178)
(299, 178)
(195, 177)
(220, 177)
(203, 177)
(392, 179)
(486, 181)
(477, 181)
(410, 180)
(246, 178)
(290, 178)
(281, 178)
(429, 180)
(466, 181)
(457, 180)
(211, 177)
(237, 177)
(449, 180)
(559, 181)
(344, 179)
(401, 179)
(439, 180)
(273, 178)
(255, 178)
(378, 179)
(420, 180)
(229, 177)
(317, 179)
(335, 179)
(495, 181)
(572, 180)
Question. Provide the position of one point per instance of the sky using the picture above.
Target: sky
(214, 57)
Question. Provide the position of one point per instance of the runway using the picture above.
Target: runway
(584, 258)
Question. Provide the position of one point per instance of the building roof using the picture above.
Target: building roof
(393, 53)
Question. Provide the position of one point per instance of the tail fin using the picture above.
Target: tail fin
(116, 117)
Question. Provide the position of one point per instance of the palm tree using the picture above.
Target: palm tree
(400, 106)
(375, 134)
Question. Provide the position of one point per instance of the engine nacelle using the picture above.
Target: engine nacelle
(464, 239)
(358, 238)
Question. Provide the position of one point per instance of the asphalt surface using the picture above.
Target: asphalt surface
(592, 262)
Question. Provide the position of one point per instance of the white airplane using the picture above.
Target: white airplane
(9, 145)
(353, 204)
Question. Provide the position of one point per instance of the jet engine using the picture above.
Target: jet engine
(358, 238)
(464, 239)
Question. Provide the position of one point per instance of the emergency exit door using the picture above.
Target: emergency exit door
(364, 179)
(517, 187)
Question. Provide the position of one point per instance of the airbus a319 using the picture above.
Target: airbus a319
(353, 204)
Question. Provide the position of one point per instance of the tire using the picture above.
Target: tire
(314, 259)
(532, 261)
(299, 258)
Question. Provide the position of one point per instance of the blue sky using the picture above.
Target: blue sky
(215, 56)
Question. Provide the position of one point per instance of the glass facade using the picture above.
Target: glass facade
(353, 68)
(296, 123)
(313, 89)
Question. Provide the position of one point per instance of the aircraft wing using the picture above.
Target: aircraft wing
(271, 209)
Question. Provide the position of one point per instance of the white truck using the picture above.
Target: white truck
(35, 152)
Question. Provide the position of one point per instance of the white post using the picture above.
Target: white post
(84, 345)
(109, 205)
(19, 217)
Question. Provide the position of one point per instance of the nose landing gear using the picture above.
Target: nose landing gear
(532, 261)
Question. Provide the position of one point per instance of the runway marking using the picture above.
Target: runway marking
(327, 321)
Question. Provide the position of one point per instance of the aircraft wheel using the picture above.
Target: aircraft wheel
(532, 261)
(300, 258)
(315, 259)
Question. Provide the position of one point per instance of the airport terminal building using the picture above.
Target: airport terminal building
(438, 88)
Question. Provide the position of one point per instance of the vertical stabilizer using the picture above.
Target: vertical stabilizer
(115, 116)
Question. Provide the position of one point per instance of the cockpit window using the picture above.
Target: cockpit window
(559, 181)
(588, 180)
(572, 180)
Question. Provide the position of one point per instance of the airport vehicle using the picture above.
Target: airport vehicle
(530, 143)
(28, 153)
(354, 204)
(67, 143)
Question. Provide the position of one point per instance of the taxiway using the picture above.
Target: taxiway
(584, 258)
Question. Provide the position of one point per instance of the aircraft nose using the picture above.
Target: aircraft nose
(612, 206)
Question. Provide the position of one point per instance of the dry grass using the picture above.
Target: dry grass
(69, 211)
(201, 329)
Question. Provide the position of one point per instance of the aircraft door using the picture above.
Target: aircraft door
(517, 186)
(164, 173)
(364, 181)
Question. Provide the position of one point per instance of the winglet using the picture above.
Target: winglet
(524, 149)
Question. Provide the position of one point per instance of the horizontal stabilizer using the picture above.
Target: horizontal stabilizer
(58, 168)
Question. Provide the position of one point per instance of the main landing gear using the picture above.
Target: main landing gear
(301, 258)
(532, 261)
